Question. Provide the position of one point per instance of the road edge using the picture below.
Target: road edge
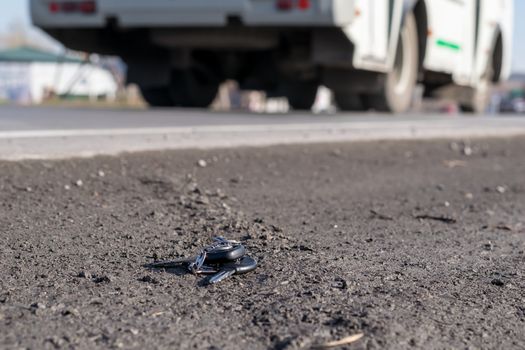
(60, 144)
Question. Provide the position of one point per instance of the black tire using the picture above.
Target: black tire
(301, 95)
(398, 86)
(158, 96)
(193, 88)
(348, 101)
(188, 88)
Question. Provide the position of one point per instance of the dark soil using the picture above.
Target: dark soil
(415, 245)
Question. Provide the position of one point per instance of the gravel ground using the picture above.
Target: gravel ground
(413, 244)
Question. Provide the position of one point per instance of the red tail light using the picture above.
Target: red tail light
(85, 7)
(287, 5)
(88, 7)
(303, 4)
(54, 7)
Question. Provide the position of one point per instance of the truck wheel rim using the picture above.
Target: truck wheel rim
(402, 64)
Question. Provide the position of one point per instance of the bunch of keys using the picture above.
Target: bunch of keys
(221, 259)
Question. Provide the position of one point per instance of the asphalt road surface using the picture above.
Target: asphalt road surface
(413, 244)
(36, 133)
(14, 118)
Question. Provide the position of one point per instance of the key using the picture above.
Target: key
(225, 254)
(222, 251)
(171, 264)
(244, 265)
(218, 254)
(183, 262)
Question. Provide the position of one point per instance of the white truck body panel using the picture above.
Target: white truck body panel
(445, 39)
(371, 25)
(375, 44)
(452, 47)
(191, 13)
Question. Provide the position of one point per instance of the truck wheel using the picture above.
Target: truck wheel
(158, 96)
(192, 88)
(399, 84)
(348, 101)
(188, 88)
(301, 95)
(480, 99)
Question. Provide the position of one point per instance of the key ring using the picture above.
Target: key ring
(219, 251)
(222, 258)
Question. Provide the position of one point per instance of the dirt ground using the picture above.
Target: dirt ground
(414, 244)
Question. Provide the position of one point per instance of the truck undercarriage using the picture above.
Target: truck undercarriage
(179, 67)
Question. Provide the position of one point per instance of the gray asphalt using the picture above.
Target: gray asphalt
(14, 118)
(52, 132)
(415, 245)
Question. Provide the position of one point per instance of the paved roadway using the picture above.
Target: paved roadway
(65, 132)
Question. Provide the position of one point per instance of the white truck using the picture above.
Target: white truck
(370, 53)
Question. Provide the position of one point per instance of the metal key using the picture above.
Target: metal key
(183, 262)
(221, 251)
(244, 265)
(171, 264)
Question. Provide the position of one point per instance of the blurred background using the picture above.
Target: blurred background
(36, 69)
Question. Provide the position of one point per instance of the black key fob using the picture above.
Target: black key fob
(245, 265)
(221, 255)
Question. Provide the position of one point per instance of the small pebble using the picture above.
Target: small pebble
(84, 274)
(71, 312)
(337, 152)
(102, 279)
(501, 189)
(56, 342)
(497, 282)
(467, 150)
(202, 200)
(220, 193)
(149, 279)
(38, 306)
(101, 173)
(133, 331)
(79, 183)
(339, 283)
(118, 344)
(202, 163)
(67, 187)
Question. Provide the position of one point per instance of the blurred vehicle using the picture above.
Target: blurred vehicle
(519, 105)
(370, 53)
(513, 105)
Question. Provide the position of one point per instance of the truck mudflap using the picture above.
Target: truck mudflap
(196, 13)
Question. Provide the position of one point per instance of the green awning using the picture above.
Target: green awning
(29, 54)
